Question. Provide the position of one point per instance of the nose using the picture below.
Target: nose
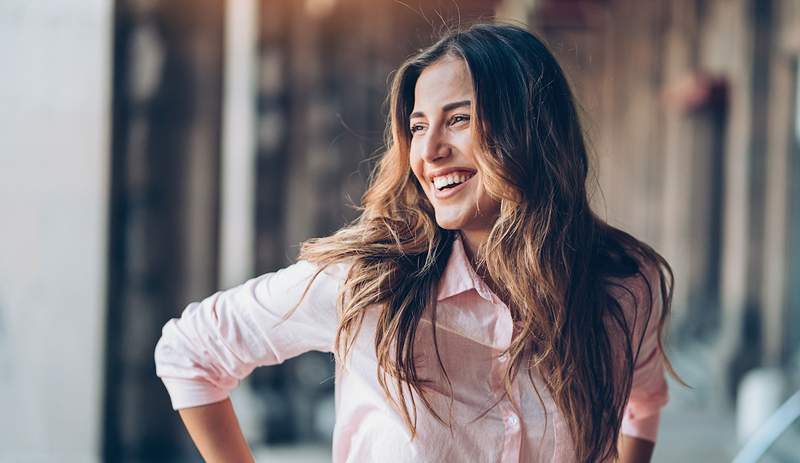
(436, 147)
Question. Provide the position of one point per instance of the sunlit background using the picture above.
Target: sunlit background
(153, 152)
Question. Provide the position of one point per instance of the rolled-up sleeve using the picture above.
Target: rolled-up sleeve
(649, 392)
(221, 339)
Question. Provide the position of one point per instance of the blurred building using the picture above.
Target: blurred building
(692, 107)
(157, 151)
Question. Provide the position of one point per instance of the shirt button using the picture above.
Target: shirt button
(513, 420)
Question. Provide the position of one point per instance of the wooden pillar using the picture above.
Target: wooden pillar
(165, 195)
(274, 123)
(790, 41)
(680, 61)
(781, 278)
(735, 26)
(695, 136)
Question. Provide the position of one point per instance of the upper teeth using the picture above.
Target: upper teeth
(450, 179)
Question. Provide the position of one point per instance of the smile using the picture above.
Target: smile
(448, 189)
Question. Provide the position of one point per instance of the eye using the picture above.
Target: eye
(459, 118)
(415, 127)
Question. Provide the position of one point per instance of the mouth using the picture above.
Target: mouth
(450, 185)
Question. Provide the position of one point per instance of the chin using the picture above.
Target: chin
(450, 224)
(449, 227)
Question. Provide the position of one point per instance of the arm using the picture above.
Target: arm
(218, 341)
(634, 450)
(216, 433)
(649, 391)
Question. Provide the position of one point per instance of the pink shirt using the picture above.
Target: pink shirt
(218, 341)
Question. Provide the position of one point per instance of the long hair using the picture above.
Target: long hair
(559, 262)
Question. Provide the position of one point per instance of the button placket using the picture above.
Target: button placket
(513, 426)
(512, 421)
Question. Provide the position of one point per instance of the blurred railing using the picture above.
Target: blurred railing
(763, 439)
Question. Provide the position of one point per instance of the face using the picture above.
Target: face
(443, 149)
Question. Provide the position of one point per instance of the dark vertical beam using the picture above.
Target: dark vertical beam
(273, 122)
(273, 112)
(780, 220)
(738, 347)
(752, 346)
(791, 309)
(165, 188)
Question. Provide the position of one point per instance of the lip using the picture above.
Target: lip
(444, 194)
(448, 170)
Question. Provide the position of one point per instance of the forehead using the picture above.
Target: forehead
(446, 80)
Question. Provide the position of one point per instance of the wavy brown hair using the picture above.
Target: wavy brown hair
(559, 262)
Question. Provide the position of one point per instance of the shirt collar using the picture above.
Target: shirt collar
(459, 276)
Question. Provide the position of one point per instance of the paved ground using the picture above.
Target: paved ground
(695, 436)
(293, 455)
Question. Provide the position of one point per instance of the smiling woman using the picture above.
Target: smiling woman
(477, 281)
(442, 151)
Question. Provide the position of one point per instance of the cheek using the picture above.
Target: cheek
(483, 197)
(489, 206)
(416, 167)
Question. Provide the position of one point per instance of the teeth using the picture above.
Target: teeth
(443, 181)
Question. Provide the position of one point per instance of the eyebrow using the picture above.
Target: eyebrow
(445, 108)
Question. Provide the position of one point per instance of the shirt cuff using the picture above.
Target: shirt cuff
(643, 428)
(186, 393)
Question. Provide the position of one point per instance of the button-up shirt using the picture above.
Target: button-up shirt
(219, 340)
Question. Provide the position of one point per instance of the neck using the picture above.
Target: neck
(472, 242)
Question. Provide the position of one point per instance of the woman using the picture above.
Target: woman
(476, 283)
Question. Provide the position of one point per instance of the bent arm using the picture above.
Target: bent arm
(649, 390)
(218, 341)
(634, 449)
(215, 431)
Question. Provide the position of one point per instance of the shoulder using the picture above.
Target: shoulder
(320, 279)
(300, 279)
(639, 296)
(640, 286)
(304, 269)
(338, 270)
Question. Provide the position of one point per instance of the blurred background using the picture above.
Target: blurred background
(154, 151)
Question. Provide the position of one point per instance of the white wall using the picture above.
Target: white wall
(55, 81)
(237, 225)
